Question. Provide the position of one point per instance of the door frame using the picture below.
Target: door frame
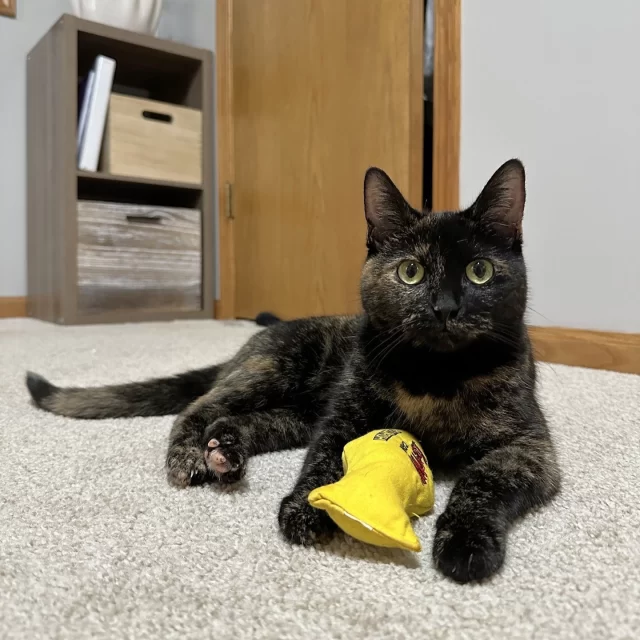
(446, 118)
(225, 305)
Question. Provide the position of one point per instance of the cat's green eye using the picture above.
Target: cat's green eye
(411, 272)
(479, 271)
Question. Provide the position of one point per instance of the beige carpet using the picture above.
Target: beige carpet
(93, 543)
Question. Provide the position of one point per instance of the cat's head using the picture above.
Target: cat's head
(446, 279)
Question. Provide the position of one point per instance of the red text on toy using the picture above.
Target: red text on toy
(419, 462)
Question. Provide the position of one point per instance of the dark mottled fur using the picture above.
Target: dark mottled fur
(446, 359)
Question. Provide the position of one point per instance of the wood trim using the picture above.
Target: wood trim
(13, 307)
(591, 349)
(416, 108)
(224, 307)
(446, 105)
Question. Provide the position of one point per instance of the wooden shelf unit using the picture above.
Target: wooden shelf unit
(145, 66)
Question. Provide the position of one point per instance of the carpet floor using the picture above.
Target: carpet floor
(95, 544)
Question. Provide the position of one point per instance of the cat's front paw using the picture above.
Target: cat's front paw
(300, 523)
(186, 466)
(225, 453)
(468, 549)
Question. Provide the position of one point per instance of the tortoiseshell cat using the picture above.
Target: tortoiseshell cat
(440, 350)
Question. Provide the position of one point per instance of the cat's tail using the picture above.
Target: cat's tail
(156, 397)
(266, 319)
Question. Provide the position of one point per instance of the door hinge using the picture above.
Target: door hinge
(229, 200)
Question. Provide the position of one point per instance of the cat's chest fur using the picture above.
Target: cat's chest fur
(428, 412)
(447, 395)
(461, 424)
(452, 429)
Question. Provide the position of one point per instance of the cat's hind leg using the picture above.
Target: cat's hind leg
(242, 415)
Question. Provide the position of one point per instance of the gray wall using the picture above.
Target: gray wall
(188, 21)
(554, 83)
(16, 38)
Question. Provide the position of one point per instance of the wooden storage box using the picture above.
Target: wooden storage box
(152, 139)
(138, 257)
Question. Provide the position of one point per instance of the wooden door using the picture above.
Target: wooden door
(319, 90)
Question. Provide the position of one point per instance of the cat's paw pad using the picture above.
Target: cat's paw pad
(225, 454)
(185, 466)
(300, 523)
(468, 552)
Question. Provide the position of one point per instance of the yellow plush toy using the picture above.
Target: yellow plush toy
(387, 480)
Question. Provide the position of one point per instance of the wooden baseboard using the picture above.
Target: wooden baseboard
(591, 349)
(13, 307)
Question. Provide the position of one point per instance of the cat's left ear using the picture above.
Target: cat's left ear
(385, 208)
(500, 206)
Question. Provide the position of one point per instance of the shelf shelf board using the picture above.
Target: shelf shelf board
(126, 38)
(149, 182)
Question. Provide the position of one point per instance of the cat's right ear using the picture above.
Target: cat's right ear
(385, 208)
(500, 206)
